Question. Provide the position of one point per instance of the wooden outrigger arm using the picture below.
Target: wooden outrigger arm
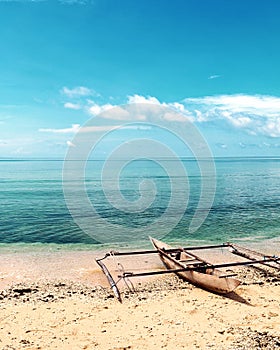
(214, 266)
(254, 255)
(172, 250)
(110, 279)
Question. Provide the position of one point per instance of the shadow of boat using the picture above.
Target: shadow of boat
(236, 297)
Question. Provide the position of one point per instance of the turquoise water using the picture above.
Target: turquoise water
(34, 212)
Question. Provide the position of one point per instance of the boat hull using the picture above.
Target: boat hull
(210, 279)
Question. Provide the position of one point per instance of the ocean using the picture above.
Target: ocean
(35, 213)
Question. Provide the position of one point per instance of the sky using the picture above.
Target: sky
(63, 62)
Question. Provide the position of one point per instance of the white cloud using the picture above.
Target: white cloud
(215, 76)
(108, 111)
(70, 144)
(178, 106)
(74, 106)
(96, 109)
(222, 145)
(75, 128)
(78, 91)
(239, 122)
(182, 114)
(98, 128)
(257, 114)
(272, 127)
(256, 104)
(115, 112)
(175, 117)
(143, 99)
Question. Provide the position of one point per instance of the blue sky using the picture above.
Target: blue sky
(62, 62)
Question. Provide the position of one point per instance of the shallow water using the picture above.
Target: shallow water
(34, 212)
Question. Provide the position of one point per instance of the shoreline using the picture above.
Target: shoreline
(79, 265)
(269, 244)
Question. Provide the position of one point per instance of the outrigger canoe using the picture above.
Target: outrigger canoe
(191, 267)
(200, 273)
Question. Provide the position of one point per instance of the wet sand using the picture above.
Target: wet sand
(61, 301)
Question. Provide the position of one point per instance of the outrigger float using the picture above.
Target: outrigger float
(184, 263)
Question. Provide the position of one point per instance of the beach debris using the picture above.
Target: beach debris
(253, 339)
(52, 291)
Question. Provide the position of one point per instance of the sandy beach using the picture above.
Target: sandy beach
(124, 123)
(62, 301)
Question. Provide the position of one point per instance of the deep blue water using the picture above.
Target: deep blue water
(33, 207)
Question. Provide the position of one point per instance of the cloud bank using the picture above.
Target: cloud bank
(252, 114)
(255, 114)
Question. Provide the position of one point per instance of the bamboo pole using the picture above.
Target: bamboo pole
(171, 250)
(241, 263)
